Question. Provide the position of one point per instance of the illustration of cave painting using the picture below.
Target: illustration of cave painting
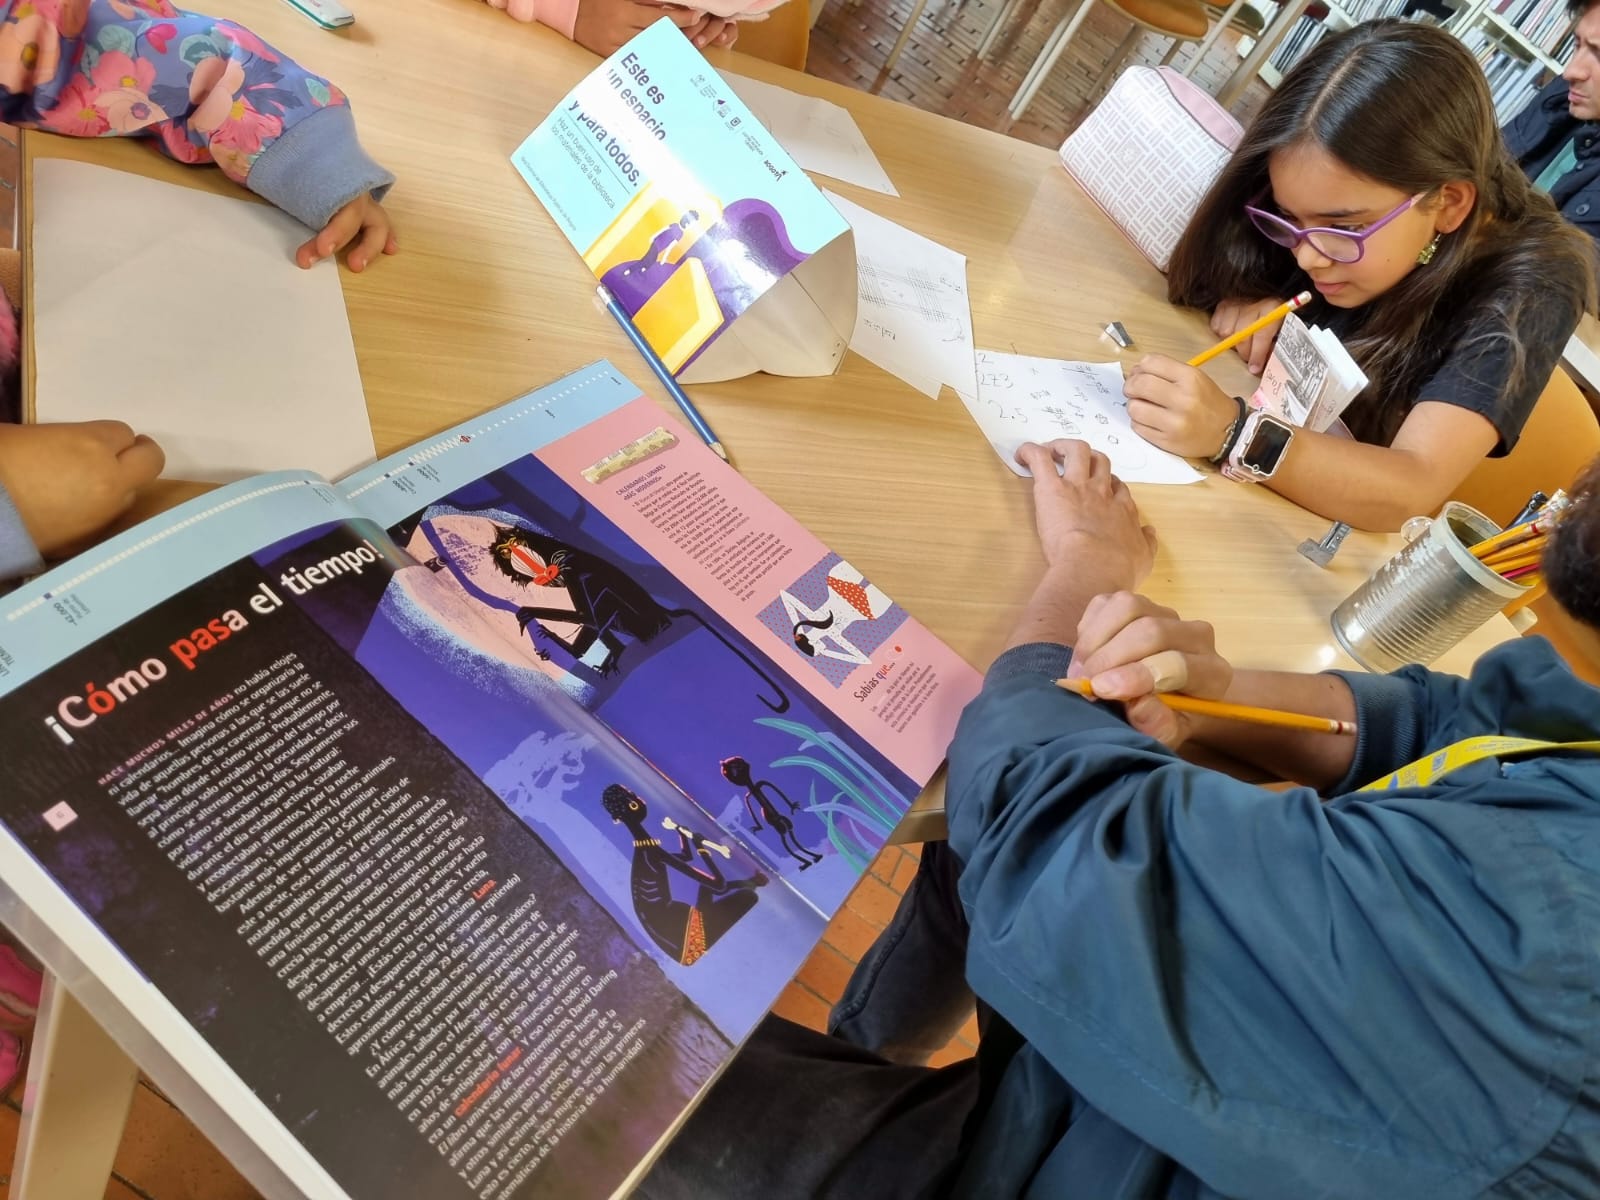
(559, 609)
(834, 618)
(683, 265)
(684, 929)
(762, 798)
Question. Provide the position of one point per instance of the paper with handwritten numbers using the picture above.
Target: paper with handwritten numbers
(1020, 399)
(913, 317)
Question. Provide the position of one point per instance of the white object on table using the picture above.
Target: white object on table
(183, 314)
(1022, 399)
(913, 317)
(818, 134)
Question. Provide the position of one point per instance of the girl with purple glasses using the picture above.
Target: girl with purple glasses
(1376, 177)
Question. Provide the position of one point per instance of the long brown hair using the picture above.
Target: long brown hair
(1405, 105)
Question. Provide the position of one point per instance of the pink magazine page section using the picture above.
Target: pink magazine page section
(816, 615)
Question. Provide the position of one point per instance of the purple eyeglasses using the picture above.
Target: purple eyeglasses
(1341, 245)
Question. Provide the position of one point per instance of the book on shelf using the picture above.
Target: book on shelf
(1487, 32)
(442, 831)
(1544, 23)
(1310, 377)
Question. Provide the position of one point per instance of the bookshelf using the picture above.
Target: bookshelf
(1519, 44)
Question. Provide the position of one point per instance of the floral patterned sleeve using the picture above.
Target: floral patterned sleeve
(206, 90)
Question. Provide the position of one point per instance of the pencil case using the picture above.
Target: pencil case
(1147, 154)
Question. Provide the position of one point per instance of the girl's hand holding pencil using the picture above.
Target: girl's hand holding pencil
(1175, 405)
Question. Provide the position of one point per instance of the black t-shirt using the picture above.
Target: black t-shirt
(1474, 371)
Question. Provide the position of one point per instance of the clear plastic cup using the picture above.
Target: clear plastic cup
(1426, 598)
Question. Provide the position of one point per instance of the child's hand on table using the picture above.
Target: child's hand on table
(1233, 315)
(713, 32)
(362, 225)
(604, 25)
(69, 480)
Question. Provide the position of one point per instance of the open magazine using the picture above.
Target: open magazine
(442, 831)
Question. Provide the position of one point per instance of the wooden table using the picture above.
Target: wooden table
(487, 299)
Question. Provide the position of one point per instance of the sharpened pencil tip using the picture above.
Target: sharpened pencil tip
(716, 448)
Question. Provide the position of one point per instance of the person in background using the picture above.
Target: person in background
(1555, 139)
(1190, 987)
(203, 91)
(1375, 176)
(604, 25)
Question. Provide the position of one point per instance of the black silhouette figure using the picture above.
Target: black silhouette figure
(685, 931)
(802, 642)
(607, 606)
(737, 772)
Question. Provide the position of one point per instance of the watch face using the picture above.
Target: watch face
(1267, 444)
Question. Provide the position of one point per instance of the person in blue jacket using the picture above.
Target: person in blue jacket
(1555, 138)
(1191, 987)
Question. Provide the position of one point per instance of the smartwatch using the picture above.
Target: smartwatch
(1259, 449)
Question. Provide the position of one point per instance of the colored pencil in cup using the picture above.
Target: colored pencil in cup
(1256, 326)
(653, 360)
(1180, 702)
(1516, 553)
(1512, 539)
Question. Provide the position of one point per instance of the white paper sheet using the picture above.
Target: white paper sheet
(1021, 399)
(183, 314)
(913, 318)
(818, 134)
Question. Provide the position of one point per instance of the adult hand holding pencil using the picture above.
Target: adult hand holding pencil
(1166, 671)
(1250, 714)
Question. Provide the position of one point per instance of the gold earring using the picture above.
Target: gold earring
(1425, 255)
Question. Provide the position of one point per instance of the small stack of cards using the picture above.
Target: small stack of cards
(1310, 378)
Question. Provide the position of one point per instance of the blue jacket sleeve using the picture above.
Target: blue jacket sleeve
(1288, 996)
(1399, 718)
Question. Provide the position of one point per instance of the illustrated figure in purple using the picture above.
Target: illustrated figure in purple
(559, 594)
(737, 772)
(744, 253)
(685, 931)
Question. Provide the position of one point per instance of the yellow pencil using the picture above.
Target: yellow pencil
(1520, 556)
(1232, 712)
(1515, 536)
(1256, 326)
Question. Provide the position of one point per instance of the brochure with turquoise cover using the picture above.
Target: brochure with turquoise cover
(692, 215)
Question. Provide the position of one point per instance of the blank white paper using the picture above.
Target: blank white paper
(183, 314)
(819, 135)
(1021, 399)
(913, 317)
